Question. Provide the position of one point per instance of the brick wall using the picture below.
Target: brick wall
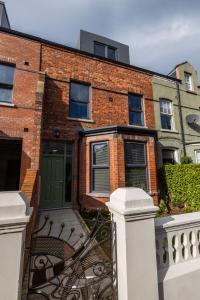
(110, 84)
(27, 100)
(107, 81)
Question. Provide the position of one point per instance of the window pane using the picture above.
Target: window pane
(5, 95)
(136, 177)
(135, 102)
(6, 74)
(53, 147)
(188, 81)
(168, 156)
(99, 49)
(111, 53)
(136, 118)
(100, 154)
(135, 154)
(101, 180)
(79, 92)
(165, 107)
(79, 110)
(166, 122)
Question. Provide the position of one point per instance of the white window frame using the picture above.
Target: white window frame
(188, 81)
(176, 154)
(197, 151)
(167, 111)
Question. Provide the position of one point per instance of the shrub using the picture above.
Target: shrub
(181, 184)
(186, 160)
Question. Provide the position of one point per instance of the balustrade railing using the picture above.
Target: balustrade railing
(177, 239)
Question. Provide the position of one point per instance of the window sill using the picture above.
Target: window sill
(7, 104)
(137, 126)
(170, 131)
(80, 120)
(98, 195)
(191, 92)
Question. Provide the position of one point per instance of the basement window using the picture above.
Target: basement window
(6, 82)
(168, 156)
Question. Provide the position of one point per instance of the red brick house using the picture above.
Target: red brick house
(84, 122)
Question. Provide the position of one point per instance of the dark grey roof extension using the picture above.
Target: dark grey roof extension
(4, 20)
(87, 40)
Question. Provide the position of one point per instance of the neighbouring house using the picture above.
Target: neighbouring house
(177, 115)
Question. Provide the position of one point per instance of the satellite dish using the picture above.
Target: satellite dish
(192, 119)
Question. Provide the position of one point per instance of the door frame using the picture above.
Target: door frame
(65, 204)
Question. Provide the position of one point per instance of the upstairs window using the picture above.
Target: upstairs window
(100, 167)
(166, 114)
(79, 100)
(188, 81)
(136, 165)
(135, 110)
(6, 83)
(105, 51)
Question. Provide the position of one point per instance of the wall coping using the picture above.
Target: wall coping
(177, 222)
(132, 202)
(14, 208)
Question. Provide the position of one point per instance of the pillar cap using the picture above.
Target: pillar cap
(14, 208)
(132, 201)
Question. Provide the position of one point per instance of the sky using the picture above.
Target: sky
(160, 33)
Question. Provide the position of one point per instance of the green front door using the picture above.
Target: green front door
(56, 175)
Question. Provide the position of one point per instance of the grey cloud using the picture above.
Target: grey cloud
(160, 33)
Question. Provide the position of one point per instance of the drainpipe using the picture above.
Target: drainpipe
(78, 172)
(181, 118)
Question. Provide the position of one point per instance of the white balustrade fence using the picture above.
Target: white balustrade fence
(157, 258)
(177, 239)
(178, 256)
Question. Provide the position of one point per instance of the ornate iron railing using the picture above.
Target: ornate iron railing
(77, 266)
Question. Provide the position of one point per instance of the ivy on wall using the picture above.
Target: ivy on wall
(181, 185)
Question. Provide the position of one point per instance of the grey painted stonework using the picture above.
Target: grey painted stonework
(190, 104)
(4, 21)
(87, 40)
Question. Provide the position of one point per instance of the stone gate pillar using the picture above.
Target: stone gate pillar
(133, 212)
(15, 213)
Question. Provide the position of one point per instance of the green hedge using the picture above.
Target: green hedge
(181, 183)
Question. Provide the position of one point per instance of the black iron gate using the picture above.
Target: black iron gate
(77, 266)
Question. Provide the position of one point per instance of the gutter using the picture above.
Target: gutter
(118, 129)
(78, 173)
(67, 48)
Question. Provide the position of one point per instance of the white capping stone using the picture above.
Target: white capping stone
(15, 213)
(14, 207)
(131, 200)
